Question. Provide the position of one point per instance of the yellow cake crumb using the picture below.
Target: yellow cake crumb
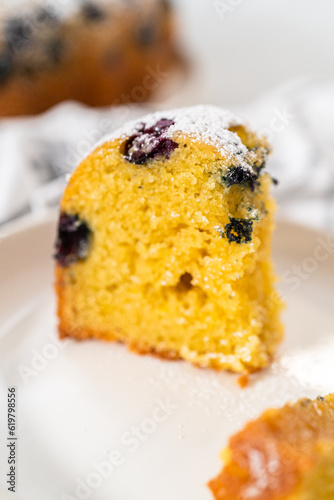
(169, 269)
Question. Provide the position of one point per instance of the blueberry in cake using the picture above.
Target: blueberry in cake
(164, 242)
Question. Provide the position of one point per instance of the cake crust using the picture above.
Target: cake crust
(164, 242)
(98, 52)
(286, 454)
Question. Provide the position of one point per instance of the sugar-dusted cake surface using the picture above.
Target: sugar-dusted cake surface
(286, 454)
(164, 242)
(99, 52)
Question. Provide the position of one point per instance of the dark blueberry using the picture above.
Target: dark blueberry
(147, 35)
(56, 50)
(239, 230)
(148, 147)
(73, 239)
(6, 67)
(240, 175)
(18, 32)
(46, 15)
(92, 12)
(149, 143)
(260, 167)
(160, 126)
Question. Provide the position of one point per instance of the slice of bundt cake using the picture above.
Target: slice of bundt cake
(286, 454)
(164, 242)
(100, 52)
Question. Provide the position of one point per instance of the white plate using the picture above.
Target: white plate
(79, 402)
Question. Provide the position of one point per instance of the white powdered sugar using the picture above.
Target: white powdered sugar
(205, 123)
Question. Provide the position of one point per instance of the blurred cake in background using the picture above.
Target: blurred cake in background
(99, 52)
(285, 454)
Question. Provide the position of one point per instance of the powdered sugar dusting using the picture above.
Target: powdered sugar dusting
(208, 124)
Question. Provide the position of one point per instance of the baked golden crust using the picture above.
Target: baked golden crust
(285, 454)
(68, 330)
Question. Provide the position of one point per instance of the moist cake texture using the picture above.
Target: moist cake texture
(164, 242)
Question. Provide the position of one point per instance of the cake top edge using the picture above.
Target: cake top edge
(206, 123)
(67, 8)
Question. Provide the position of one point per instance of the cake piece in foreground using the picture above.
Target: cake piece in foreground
(286, 454)
(164, 242)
